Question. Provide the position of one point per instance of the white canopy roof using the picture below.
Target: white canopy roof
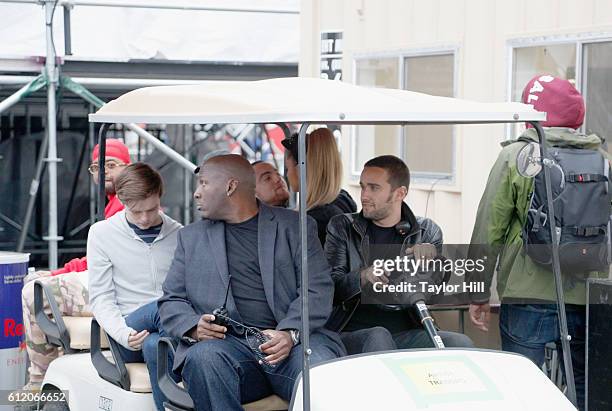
(300, 100)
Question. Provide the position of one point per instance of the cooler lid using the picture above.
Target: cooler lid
(9, 257)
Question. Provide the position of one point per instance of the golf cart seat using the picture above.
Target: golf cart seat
(139, 377)
(178, 397)
(79, 330)
(271, 402)
(72, 334)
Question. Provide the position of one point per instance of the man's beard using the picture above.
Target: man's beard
(109, 188)
(379, 213)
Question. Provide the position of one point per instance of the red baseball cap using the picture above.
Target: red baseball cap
(114, 148)
(563, 104)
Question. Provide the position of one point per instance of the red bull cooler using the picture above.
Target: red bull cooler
(13, 357)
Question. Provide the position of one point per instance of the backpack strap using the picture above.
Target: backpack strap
(586, 231)
(586, 178)
(539, 219)
(523, 139)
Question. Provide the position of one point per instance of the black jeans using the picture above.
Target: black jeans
(380, 339)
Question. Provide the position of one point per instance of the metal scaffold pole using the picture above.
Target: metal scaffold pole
(51, 69)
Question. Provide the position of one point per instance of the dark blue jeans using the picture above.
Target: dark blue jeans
(380, 339)
(527, 328)
(147, 318)
(223, 374)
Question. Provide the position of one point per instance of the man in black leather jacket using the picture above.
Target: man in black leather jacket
(384, 229)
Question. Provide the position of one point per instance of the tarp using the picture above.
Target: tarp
(81, 91)
(33, 86)
(122, 34)
(299, 100)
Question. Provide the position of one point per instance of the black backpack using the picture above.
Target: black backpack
(582, 195)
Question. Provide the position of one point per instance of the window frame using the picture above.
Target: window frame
(578, 40)
(418, 177)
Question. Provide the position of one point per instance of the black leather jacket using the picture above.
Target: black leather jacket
(346, 247)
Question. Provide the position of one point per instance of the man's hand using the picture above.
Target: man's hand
(207, 330)
(480, 314)
(367, 276)
(426, 251)
(278, 347)
(135, 339)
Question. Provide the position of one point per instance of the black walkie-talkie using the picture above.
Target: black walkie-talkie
(221, 314)
(253, 335)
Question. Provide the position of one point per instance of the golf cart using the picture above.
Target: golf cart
(440, 379)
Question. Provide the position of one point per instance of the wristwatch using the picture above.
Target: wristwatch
(295, 336)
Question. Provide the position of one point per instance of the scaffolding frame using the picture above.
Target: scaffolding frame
(52, 79)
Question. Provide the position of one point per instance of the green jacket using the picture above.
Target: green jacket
(501, 217)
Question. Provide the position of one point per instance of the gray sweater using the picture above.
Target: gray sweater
(125, 273)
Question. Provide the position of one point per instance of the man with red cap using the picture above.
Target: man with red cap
(69, 283)
(117, 157)
(528, 313)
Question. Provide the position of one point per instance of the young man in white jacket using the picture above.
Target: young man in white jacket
(129, 256)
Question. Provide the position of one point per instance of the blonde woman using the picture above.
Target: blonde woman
(325, 198)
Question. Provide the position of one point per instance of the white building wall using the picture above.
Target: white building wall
(480, 30)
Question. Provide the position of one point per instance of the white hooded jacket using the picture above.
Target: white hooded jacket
(126, 273)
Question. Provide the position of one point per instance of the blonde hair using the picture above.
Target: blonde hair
(324, 175)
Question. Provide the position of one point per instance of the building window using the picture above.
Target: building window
(431, 75)
(558, 60)
(425, 73)
(597, 89)
(375, 72)
(585, 63)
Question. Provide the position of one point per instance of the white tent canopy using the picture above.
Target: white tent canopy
(300, 100)
(116, 33)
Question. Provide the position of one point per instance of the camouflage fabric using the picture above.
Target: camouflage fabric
(72, 299)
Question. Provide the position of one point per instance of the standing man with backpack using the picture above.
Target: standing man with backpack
(512, 223)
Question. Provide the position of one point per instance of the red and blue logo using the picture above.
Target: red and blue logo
(11, 319)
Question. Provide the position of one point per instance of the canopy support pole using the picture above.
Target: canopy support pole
(305, 334)
(101, 171)
(187, 175)
(563, 330)
(92, 190)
